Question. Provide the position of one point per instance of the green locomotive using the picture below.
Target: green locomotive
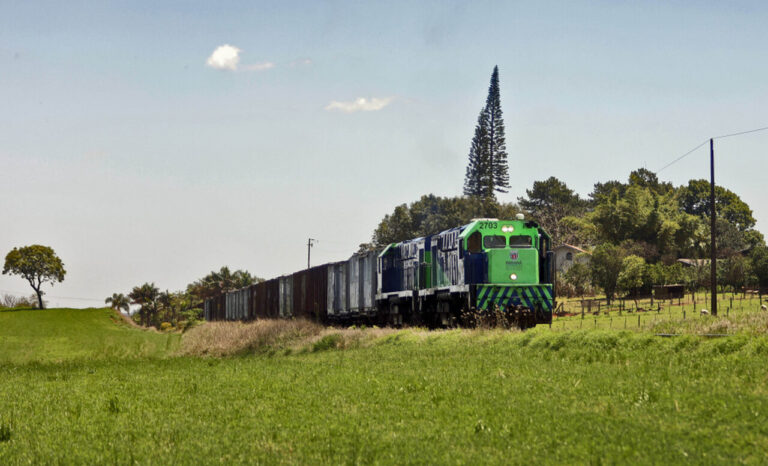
(488, 265)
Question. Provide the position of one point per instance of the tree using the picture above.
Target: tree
(578, 276)
(694, 199)
(548, 202)
(647, 179)
(216, 283)
(734, 271)
(476, 179)
(759, 258)
(432, 214)
(631, 276)
(605, 265)
(145, 296)
(488, 169)
(38, 265)
(118, 302)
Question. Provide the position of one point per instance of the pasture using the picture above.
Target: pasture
(378, 396)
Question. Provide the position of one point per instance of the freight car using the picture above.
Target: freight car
(486, 265)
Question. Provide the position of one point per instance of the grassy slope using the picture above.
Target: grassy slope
(66, 334)
(447, 397)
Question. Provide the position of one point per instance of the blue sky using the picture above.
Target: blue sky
(122, 149)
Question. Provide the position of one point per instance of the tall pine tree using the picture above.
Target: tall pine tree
(488, 169)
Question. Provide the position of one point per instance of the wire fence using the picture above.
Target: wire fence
(647, 312)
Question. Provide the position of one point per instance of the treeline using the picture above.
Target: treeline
(168, 310)
(634, 231)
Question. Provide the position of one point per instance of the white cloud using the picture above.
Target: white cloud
(225, 57)
(301, 62)
(360, 104)
(260, 66)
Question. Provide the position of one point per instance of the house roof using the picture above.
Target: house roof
(697, 262)
(571, 247)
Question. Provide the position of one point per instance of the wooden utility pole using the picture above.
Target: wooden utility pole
(713, 248)
(310, 243)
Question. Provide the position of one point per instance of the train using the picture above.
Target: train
(486, 266)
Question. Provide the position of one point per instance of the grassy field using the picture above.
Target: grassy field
(651, 315)
(410, 396)
(53, 335)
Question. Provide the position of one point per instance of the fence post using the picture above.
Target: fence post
(638, 321)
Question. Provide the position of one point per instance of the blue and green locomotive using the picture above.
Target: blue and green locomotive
(488, 265)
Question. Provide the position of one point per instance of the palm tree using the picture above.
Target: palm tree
(118, 301)
(145, 296)
(165, 300)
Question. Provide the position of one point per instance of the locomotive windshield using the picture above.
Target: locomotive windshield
(520, 241)
(494, 242)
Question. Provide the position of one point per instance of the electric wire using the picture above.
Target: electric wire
(740, 133)
(707, 140)
(682, 157)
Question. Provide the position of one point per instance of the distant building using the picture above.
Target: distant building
(696, 262)
(566, 255)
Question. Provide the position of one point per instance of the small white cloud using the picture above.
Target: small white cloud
(260, 66)
(361, 104)
(225, 57)
(301, 62)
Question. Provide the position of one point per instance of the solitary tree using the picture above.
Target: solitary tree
(118, 302)
(488, 170)
(37, 264)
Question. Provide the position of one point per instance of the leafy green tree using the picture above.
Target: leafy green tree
(218, 282)
(733, 271)
(488, 168)
(604, 191)
(548, 202)
(38, 265)
(433, 214)
(605, 266)
(578, 277)
(145, 296)
(641, 215)
(647, 179)
(118, 302)
(631, 275)
(759, 258)
(694, 199)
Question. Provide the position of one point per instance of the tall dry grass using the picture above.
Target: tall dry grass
(263, 336)
(230, 338)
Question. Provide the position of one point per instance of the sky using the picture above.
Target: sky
(157, 141)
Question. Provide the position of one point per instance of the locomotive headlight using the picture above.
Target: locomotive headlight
(513, 276)
(508, 229)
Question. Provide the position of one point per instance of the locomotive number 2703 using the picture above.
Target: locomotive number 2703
(489, 225)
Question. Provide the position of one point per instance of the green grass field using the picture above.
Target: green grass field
(653, 314)
(579, 396)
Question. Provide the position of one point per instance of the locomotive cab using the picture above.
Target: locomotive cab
(508, 265)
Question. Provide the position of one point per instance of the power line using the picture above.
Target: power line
(740, 133)
(682, 156)
(707, 140)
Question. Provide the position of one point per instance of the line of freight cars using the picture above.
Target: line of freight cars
(488, 264)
